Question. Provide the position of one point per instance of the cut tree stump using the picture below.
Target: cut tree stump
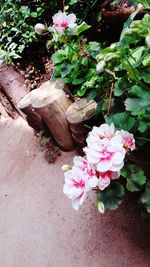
(51, 103)
(78, 115)
(33, 118)
(12, 85)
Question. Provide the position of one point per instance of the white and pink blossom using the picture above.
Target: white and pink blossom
(88, 170)
(127, 140)
(75, 187)
(106, 177)
(107, 154)
(104, 158)
(98, 133)
(62, 21)
(79, 181)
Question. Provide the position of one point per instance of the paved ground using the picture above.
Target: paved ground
(38, 227)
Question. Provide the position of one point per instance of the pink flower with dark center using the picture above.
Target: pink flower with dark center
(107, 154)
(106, 177)
(62, 21)
(128, 140)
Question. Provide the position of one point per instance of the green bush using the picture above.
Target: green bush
(16, 28)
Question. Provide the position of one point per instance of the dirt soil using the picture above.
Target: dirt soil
(39, 228)
(35, 65)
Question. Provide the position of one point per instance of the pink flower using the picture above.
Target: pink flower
(127, 140)
(98, 133)
(75, 187)
(106, 177)
(62, 21)
(107, 154)
(79, 181)
(88, 170)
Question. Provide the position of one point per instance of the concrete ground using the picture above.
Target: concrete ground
(39, 228)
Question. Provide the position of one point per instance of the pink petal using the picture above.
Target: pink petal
(71, 18)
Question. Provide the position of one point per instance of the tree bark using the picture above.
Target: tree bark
(33, 118)
(12, 84)
(51, 103)
(7, 106)
(78, 115)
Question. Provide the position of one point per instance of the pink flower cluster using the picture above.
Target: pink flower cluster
(105, 154)
(62, 21)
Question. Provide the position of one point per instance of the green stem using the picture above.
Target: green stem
(142, 138)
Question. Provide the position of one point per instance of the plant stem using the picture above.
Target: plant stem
(110, 98)
(142, 138)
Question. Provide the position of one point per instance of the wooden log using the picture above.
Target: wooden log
(7, 106)
(57, 84)
(3, 111)
(33, 118)
(12, 84)
(51, 104)
(78, 115)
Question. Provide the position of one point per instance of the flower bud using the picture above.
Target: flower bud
(101, 207)
(100, 66)
(113, 46)
(139, 7)
(66, 167)
(40, 28)
(147, 40)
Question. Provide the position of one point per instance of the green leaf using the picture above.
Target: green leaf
(93, 48)
(145, 198)
(146, 75)
(82, 27)
(92, 95)
(136, 57)
(81, 92)
(34, 14)
(143, 126)
(146, 61)
(72, 2)
(78, 81)
(66, 69)
(120, 86)
(135, 177)
(112, 196)
(122, 120)
(85, 61)
(126, 26)
(57, 70)
(138, 100)
(58, 56)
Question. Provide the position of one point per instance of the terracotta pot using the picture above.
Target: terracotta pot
(117, 16)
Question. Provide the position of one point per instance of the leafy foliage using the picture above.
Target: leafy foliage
(129, 61)
(74, 66)
(112, 196)
(135, 177)
(17, 32)
(122, 120)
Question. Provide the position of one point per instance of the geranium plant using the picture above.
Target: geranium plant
(117, 76)
(103, 169)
